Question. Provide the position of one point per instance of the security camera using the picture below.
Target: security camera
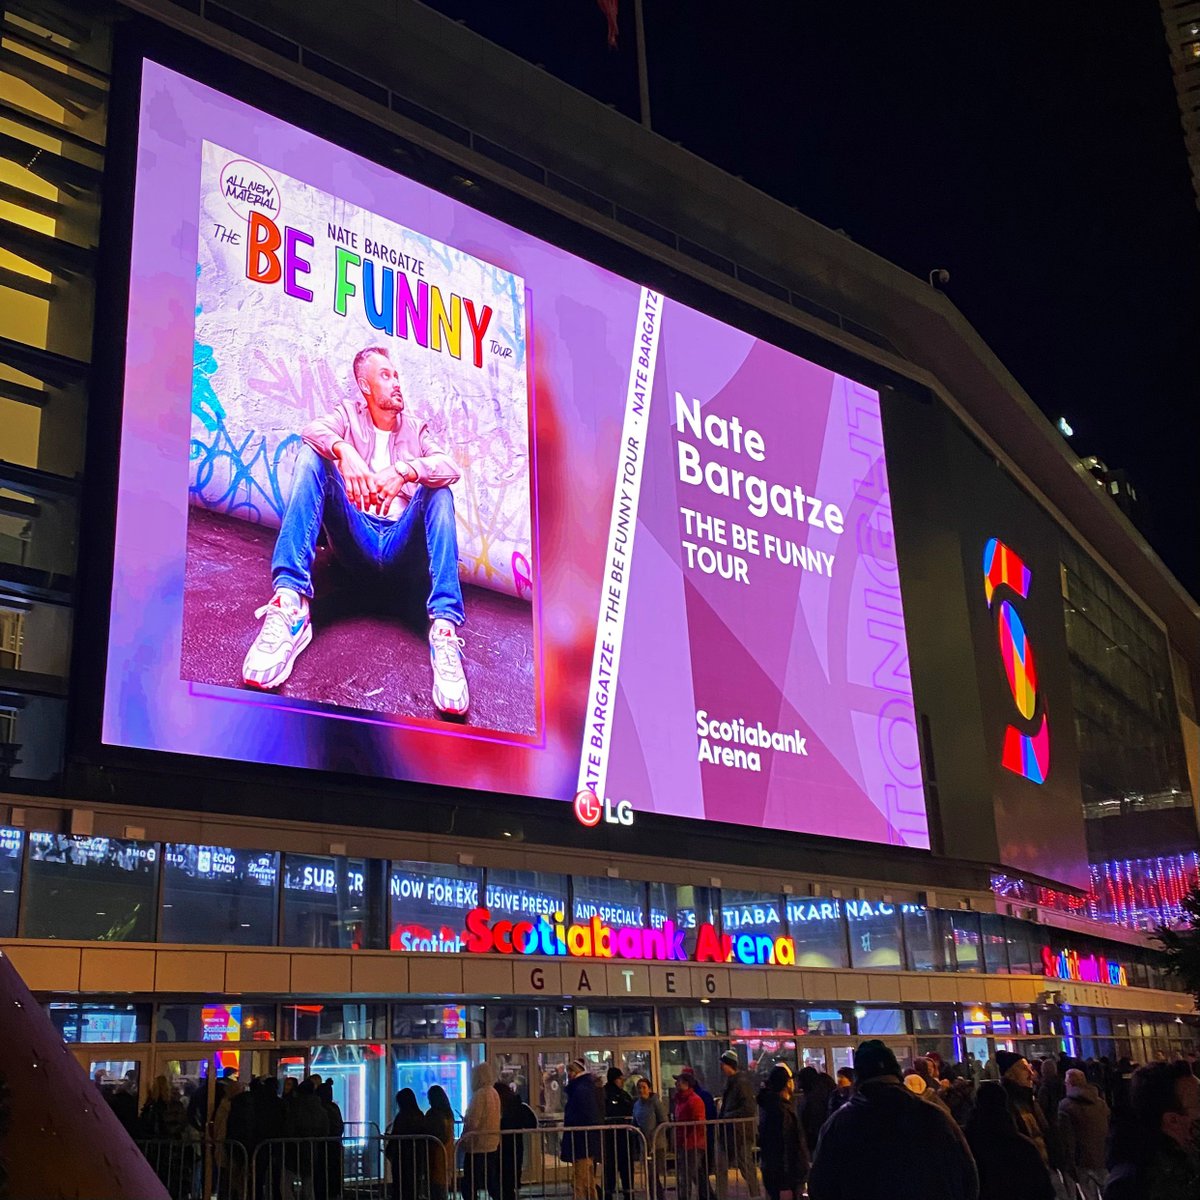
(939, 278)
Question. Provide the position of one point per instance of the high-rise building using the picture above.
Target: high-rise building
(815, 692)
(1182, 23)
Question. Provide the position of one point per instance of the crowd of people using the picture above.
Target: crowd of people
(1010, 1129)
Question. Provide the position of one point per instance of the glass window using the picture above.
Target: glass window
(528, 894)
(763, 1037)
(928, 938)
(214, 1023)
(933, 1020)
(12, 842)
(332, 901)
(818, 1021)
(614, 1022)
(79, 1022)
(450, 1021)
(1020, 959)
(419, 1065)
(429, 905)
(695, 1020)
(752, 912)
(90, 888)
(614, 901)
(530, 1021)
(218, 896)
(995, 944)
(818, 928)
(332, 1022)
(967, 940)
(874, 934)
(685, 906)
(358, 1073)
(704, 1057)
(875, 1022)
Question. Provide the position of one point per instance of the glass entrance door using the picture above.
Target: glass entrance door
(120, 1074)
(636, 1059)
(537, 1072)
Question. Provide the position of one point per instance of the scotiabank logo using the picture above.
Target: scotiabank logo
(1026, 750)
(590, 810)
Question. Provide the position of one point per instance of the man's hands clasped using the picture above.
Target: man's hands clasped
(370, 491)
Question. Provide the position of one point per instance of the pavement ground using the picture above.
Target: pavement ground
(360, 658)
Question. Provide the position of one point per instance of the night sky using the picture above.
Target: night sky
(1034, 150)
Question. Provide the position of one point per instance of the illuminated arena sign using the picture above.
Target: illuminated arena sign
(596, 939)
(1069, 966)
(1026, 754)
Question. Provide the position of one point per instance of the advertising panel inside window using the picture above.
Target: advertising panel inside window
(407, 491)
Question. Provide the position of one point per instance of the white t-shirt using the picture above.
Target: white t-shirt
(380, 459)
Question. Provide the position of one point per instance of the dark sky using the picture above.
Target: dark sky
(1033, 149)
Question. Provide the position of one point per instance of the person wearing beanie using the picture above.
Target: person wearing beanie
(582, 1111)
(617, 1159)
(735, 1144)
(1010, 1167)
(885, 1143)
(781, 1145)
(1016, 1078)
(1083, 1133)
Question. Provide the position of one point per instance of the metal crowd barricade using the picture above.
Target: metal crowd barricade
(297, 1169)
(701, 1160)
(408, 1167)
(567, 1163)
(199, 1170)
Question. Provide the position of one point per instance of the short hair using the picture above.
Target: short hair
(362, 356)
(1153, 1093)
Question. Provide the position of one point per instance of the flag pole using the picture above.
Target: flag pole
(643, 75)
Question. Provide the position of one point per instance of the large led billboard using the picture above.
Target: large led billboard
(408, 492)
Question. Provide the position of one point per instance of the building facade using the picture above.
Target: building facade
(184, 897)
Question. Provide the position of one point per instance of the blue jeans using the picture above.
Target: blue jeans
(425, 532)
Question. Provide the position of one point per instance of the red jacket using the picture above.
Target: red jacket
(689, 1107)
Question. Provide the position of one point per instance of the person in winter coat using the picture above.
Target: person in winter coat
(1154, 1141)
(1083, 1133)
(439, 1124)
(617, 1157)
(333, 1148)
(582, 1110)
(781, 1143)
(691, 1139)
(887, 1144)
(304, 1121)
(406, 1154)
(1009, 1164)
(481, 1135)
(515, 1115)
(926, 1069)
(1016, 1077)
(844, 1090)
(649, 1113)
(735, 1144)
(815, 1088)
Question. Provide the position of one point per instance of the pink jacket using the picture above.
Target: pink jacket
(411, 442)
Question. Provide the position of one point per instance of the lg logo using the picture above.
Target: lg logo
(1025, 753)
(590, 810)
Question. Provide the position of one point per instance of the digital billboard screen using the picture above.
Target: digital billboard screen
(408, 492)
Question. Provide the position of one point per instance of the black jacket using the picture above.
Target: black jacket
(782, 1149)
(582, 1108)
(815, 1109)
(1010, 1165)
(887, 1144)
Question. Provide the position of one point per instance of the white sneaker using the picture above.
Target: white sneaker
(450, 694)
(284, 633)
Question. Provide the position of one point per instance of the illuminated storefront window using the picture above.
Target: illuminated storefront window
(429, 903)
(614, 901)
(818, 928)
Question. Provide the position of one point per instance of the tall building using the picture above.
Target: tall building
(815, 693)
(1182, 24)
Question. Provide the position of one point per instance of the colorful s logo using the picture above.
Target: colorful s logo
(1023, 754)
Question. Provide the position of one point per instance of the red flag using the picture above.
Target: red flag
(609, 9)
